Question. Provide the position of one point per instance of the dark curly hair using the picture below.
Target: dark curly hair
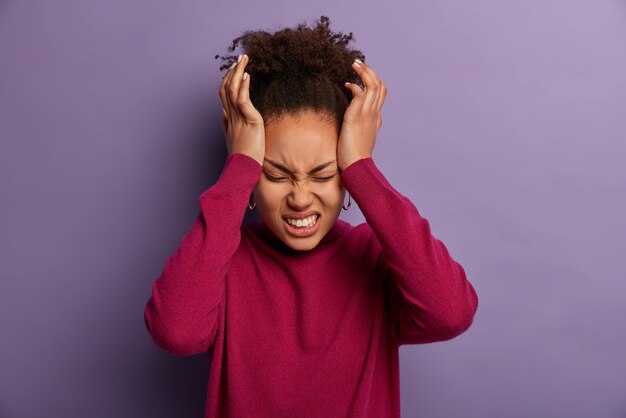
(295, 69)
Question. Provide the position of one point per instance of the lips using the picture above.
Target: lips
(302, 231)
(300, 215)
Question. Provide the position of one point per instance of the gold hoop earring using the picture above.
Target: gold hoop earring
(349, 203)
(253, 205)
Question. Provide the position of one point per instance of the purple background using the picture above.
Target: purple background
(504, 123)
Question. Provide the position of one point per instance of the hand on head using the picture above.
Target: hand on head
(244, 128)
(362, 119)
(241, 122)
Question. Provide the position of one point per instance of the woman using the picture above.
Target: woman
(303, 313)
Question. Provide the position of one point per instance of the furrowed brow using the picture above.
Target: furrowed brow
(279, 166)
(288, 171)
(320, 167)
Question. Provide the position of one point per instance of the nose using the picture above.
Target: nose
(300, 197)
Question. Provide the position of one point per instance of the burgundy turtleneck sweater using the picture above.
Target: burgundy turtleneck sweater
(307, 333)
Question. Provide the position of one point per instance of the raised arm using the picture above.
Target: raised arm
(181, 314)
(436, 301)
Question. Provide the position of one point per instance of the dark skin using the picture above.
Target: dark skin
(244, 127)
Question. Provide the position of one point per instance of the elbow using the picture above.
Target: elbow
(462, 321)
(459, 326)
(171, 338)
(445, 329)
(427, 326)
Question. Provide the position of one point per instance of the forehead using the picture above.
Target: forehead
(301, 142)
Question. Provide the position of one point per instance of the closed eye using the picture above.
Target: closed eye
(324, 178)
(272, 178)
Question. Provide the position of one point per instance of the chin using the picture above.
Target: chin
(301, 244)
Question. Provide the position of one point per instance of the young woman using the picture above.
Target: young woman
(302, 313)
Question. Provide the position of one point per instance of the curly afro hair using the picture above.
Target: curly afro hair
(301, 68)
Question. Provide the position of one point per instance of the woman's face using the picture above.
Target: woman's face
(299, 194)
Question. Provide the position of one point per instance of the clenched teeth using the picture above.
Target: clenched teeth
(303, 223)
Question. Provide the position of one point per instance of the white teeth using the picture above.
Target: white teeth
(303, 223)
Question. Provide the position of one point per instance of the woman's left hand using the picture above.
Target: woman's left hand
(362, 119)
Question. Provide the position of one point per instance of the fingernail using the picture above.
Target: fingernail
(355, 63)
(233, 65)
(359, 61)
(239, 58)
(245, 75)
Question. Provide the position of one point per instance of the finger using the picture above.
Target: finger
(364, 73)
(369, 80)
(225, 77)
(220, 91)
(244, 102)
(355, 89)
(226, 104)
(381, 99)
(235, 82)
(232, 106)
(380, 88)
(227, 71)
(379, 92)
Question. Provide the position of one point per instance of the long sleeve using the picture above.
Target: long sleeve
(182, 312)
(435, 300)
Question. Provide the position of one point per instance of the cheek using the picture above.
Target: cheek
(331, 195)
(269, 196)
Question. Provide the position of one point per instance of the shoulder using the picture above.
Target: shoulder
(361, 238)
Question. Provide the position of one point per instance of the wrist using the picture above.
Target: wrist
(255, 158)
(345, 165)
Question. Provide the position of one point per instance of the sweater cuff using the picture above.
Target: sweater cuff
(238, 177)
(364, 181)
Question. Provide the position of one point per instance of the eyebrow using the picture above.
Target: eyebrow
(288, 171)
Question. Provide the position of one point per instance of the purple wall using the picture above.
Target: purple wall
(504, 123)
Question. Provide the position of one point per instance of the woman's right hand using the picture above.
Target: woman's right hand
(241, 122)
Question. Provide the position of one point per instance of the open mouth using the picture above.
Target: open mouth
(302, 226)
